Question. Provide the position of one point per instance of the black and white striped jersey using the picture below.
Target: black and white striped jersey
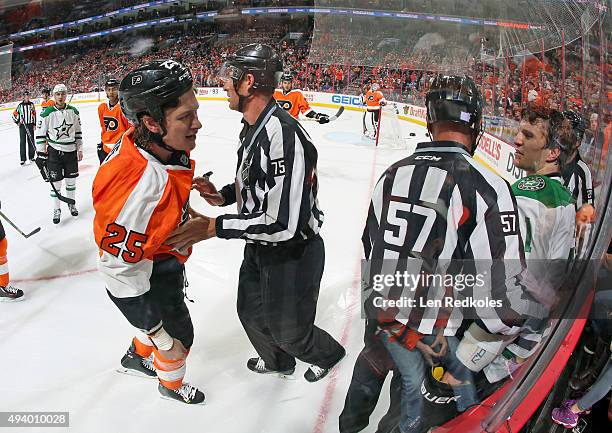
(276, 183)
(25, 113)
(578, 180)
(440, 212)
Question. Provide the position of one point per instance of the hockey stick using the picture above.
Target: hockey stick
(25, 235)
(44, 170)
(338, 114)
(331, 118)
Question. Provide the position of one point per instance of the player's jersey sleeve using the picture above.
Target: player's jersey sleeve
(101, 110)
(78, 134)
(302, 103)
(41, 130)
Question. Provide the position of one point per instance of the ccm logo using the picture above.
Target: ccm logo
(428, 157)
(346, 100)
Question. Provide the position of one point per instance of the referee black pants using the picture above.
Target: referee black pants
(277, 302)
(26, 141)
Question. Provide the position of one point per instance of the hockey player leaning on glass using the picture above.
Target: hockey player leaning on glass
(275, 190)
(140, 195)
(59, 146)
(546, 221)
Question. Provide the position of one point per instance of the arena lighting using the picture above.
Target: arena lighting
(92, 19)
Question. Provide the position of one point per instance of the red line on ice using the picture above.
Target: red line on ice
(54, 277)
(332, 382)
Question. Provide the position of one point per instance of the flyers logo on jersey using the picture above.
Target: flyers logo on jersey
(285, 105)
(110, 123)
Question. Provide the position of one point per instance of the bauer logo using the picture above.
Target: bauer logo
(136, 79)
(346, 100)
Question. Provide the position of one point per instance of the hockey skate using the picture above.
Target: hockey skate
(136, 365)
(258, 365)
(10, 294)
(187, 393)
(73, 210)
(57, 213)
(315, 373)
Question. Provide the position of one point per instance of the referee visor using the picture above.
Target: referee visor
(228, 71)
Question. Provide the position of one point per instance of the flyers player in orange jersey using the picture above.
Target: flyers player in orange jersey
(112, 120)
(373, 100)
(47, 100)
(293, 101)
(140, 195)
(7, 291)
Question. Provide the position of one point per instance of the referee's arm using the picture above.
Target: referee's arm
(285, 177)
(497, 250)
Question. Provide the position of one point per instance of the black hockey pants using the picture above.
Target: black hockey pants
(277, 301)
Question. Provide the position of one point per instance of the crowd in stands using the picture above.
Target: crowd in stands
(507, 85)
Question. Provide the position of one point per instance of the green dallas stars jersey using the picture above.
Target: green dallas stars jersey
(60, 129)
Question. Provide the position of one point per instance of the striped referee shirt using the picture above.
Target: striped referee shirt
(439, 212)
(25, 113)
(578, 180)
(276, 183)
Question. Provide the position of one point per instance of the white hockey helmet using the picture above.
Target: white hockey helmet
(60, 88)
(375, 87)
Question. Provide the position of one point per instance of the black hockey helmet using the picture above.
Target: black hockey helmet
(46, 91)
(258, 59)
(453, 98)
(577, 122)
(111, 82)
(287, 76)
(147, 89)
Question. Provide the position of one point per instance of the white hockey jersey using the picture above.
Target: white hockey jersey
(547, 221)
(547, 217)
(60, 129)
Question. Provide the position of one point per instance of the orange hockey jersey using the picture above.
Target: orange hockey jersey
(373, 100)
(113, 124)
(293, 102)
(47, 103)
(138, 202)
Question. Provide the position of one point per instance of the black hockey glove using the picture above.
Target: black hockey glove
(322, 118)
(41, 163)
(101, 153)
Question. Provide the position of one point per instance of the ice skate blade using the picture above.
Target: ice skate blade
(3, 299)
(130, 372)
(202, 403)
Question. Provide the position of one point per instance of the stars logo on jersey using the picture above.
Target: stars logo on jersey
(535, 183)
(63, 130)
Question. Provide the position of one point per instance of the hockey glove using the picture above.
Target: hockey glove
(41, 163)
(322, 118)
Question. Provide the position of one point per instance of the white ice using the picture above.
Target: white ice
(59, 348)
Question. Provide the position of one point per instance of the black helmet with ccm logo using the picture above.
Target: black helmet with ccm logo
(151, 87)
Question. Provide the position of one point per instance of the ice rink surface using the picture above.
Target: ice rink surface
(60, 347)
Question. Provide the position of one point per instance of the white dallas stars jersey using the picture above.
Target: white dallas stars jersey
(547, 217)
(60, 129)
